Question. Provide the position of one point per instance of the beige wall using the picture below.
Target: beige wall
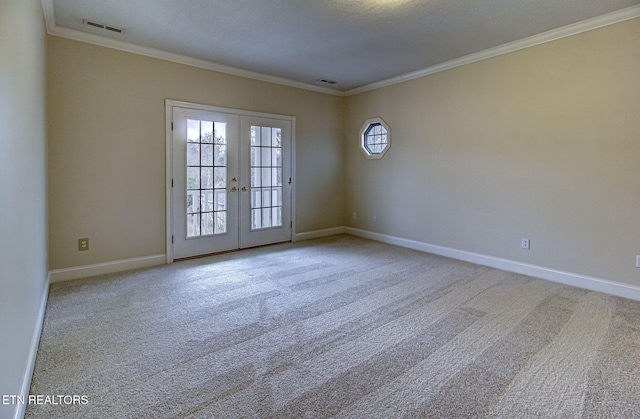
(23, 195)
(107, 147)
(541, 143)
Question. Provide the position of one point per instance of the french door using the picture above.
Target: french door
(231, 177)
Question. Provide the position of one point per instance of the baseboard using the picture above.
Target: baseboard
(568, 278)
(67, 274)
(33, 351)
(316, 234)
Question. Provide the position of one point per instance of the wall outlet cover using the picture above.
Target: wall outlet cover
(83, 244)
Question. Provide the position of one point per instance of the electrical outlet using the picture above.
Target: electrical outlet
(353, 215)
(525, 244)
(83, 244)
(374, 219)
(637, 261)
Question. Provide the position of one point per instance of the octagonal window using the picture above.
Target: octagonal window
(375, 138)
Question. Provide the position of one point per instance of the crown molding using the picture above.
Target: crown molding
(552, 35)
(49, 16)
(53, 29)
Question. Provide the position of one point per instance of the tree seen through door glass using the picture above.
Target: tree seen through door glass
(266, 177)
(206, 193)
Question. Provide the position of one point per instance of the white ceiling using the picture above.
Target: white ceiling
(354, 42)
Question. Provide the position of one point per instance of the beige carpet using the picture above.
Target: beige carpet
(336, 327)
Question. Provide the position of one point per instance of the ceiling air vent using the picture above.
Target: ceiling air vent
(110, 28)
(326, 81)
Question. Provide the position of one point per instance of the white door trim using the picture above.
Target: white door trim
(169, 105)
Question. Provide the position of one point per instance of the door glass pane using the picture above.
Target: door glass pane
(265, 141)
(193, 178)
(276, 199)
(207, 155)
(220, 177)
(266, 197)
(266, 176)
(266, 171)
(277, 216)
(193, 225)
(221, 222)
(193, 202)
(207, 223)
(277, 177)
(256, 219)
(193, 130)
(206, 178)
(277, 157)
(220, 155)
(206, 131)
(220, 133)
(256, 198)
(193, 154)
(277, 137)
(266, 217)
(207, 200)
(255, 156)
(266, 156)
(255, 135)
(255, 177)
(220, 203)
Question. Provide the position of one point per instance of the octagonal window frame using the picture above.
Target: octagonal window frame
(364, 135)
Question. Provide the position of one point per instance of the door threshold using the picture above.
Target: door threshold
(228, 251)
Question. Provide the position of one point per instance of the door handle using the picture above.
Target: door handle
(244, 189)
(234, 189)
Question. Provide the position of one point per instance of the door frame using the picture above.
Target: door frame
(169, 105)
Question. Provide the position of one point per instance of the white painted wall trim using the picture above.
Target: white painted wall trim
(552, 35)
(33, 351)
(66, 274)
(568, 278)
(168, 122)
(294, 179)
(316, 234)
